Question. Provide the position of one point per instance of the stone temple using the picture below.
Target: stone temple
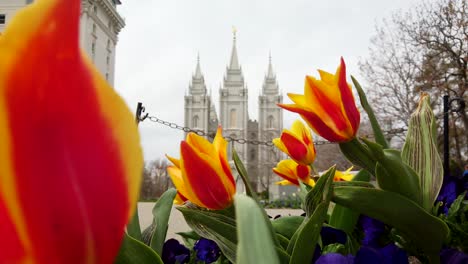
(201, 114)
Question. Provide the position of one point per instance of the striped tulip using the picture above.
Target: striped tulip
(293, 172)
(328, 106)
(203, 175)
(297, 143)
(70, 159)
(176, 176)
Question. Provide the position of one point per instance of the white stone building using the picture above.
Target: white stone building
(100, 24)
(234, 117)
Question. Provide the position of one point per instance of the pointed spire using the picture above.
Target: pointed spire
(270, 73)
(198, 73)
(234, 64)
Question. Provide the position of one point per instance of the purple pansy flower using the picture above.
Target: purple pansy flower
(174, 252)
(372, 230)
(331, 235)
(453, 256)
(335, 258)
(207, 250)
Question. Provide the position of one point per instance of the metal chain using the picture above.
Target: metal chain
(246, 141)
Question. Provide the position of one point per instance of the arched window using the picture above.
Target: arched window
(195, 121)
(270, 122)
(233, 118)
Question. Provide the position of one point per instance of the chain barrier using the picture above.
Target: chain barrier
(241, 140)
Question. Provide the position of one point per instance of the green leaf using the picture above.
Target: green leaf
(378, 134)
(284, 242)
(255, 241)
(312, 200)
(250, 191)
(334, 248)
(189, 234)
(161, 213)
(190, 238)
(396, 176)
(306, 237)
(393, 174)
(243, 173)
(421, 153)
(353, 183)
(455, 207)
(215, 225)
(287, 225)
(344, 218)
(426, 231)
(133, 228)
(320, 192)
(133, 251)
(283, 255)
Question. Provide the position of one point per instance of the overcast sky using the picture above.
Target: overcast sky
(157, 50)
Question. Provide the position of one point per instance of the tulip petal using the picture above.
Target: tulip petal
(328, 104)
(315, 122)
(179, 199)
(220, 145)
(285, 182)
(174, 161)
(12, 248)
(292, 171)
(347, 97)
(69, 145)
(279, 144)
(296, 148)
(303, 172)
(302, 132)
(286, 176)
(327, 77)
(208, 186)
(201, 144)
(176, 176)
(299, 99)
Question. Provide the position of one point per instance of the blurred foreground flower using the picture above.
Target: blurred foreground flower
(292, 172)
(203, 175)
(70, 160)
(328, 106)
(297, 143)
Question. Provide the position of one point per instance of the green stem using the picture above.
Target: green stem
(358, 154)
(379, 136)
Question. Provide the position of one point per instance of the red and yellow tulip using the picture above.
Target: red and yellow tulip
(292, 173)
(328, 106)
(297, 143)
(70, 159)
(203, 175)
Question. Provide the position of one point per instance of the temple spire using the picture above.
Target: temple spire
(197, 85)
(270, 85)
(198, 73)
(270, 73)
(234, 63)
